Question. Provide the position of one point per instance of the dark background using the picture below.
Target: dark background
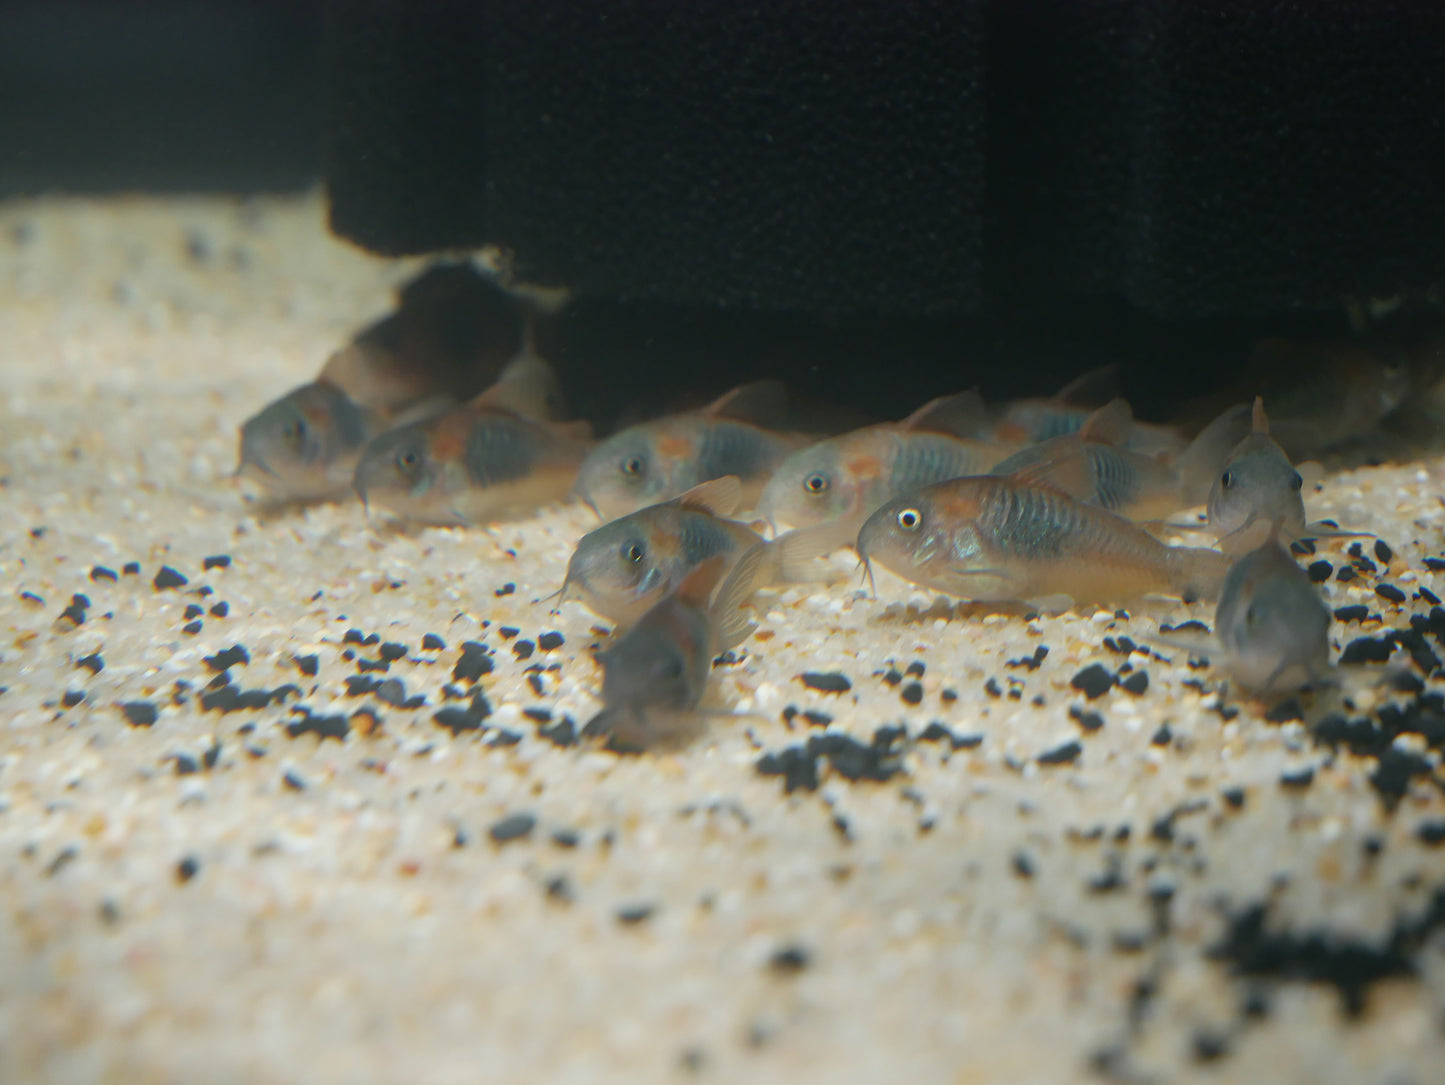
(1141, 185)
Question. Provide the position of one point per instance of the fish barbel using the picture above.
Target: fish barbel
(996, 539)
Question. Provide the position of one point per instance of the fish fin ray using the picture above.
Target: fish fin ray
(962, 414)
(763, 403)
(719, 496)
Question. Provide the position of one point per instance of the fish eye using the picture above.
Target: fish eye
(633, 465)
(909, 519)
(1296, 481)
(294, 430)
(816, 483)
(1227, 479)
(408, 459)
(633, 552)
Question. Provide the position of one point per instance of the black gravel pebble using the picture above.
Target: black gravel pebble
(1431, 832)
(169, 578)
(187, 869)
(1426, 594)
(392, 692)
(504, 737)
(816, 718)
(221, 609)
(1357, 613)
(508, 631)
(366, 666)
(991, 687)
(505, 589)
(1093, 681)
(1136, 683)
(192, 628)
(72, 697)
(1368, 650)
(1234, 796)
(1346, 574)
(829, 682)
(1032, 662)
(1162, 736)
(186, 765)
(1023, 864)
(1390, 592)
(229, 658)
(474, 662)
(1300, 778)
(631, 914)
(798, 765)
(915, 669)
(293, 780)
(323, 727)
(1285, 711)
(912, 693)
(100, 572)
(892, 676)
(130, 568)
(216, 561)
(789, 960)
(193, 611)
(391, 651)
(1122, 645)
(538, 714)
(75, 612)
(359, 684)
(1383, 551)
(307, 665)
(1185, 627)
(457, 719)
(140, 713)
(512, 827)
(31, 597)
(523, 649)
(1089, 721)
(1319, 571)
(948, 696)
(550, 642)
(94, 663)
(1065, 754)
(433, 643)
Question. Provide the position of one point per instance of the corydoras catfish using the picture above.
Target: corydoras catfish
(655, 674)
(996, 539)
(658, 460)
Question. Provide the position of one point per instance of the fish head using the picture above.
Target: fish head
(1272, 623)
(1257, 485)
(815, 485)
(626, 472)
(620, 569)
(661, 662)
(934, 538)
(399, 472)
(302, 446)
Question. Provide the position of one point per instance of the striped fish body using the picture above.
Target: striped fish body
(626, 566)
(656, 461)
(995, 539)
(469, 465)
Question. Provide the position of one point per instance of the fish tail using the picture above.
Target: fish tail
(1197, 574)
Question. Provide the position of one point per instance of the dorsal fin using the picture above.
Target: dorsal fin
(696, 588)
(527, 387)
(1110, 424)
(763, 403)
(1091, 389)
(962, 414)
(1259, 419)
(729, 625)
(718, 496)
(1065, 471)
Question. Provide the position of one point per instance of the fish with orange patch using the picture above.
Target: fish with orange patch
(498, 454)
(622, 568)
(658, 460)
(995, 539)
(836, 483)
(655, 674)
(452, 333)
